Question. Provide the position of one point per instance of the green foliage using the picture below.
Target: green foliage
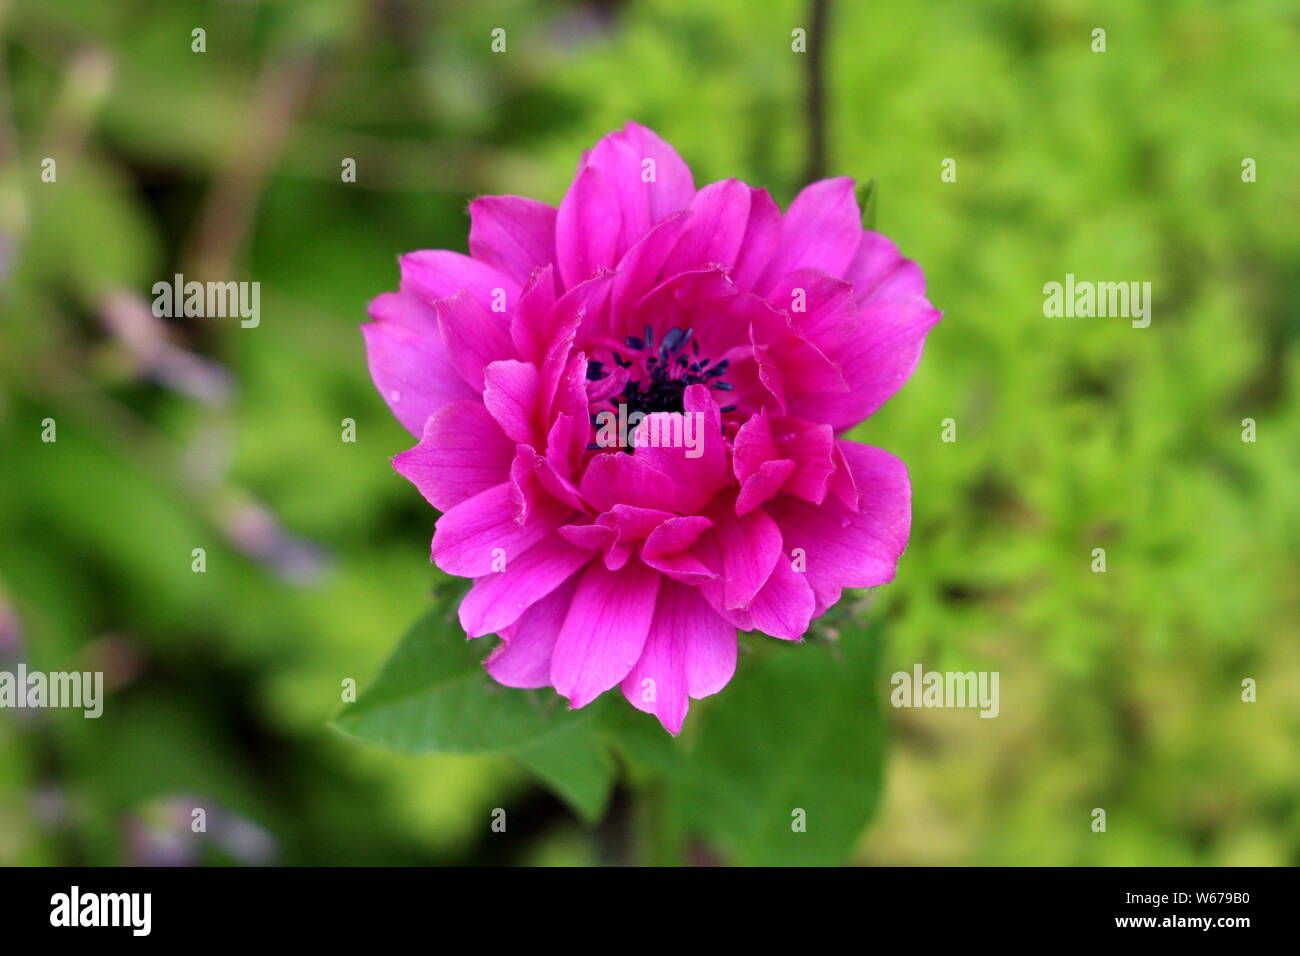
(788, 765)
(433, 696)
(801, 736)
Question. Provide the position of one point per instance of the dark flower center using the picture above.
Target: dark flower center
(665, 371)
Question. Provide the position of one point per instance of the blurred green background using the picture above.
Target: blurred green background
(1120, 690)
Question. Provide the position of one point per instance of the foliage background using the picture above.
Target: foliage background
(1119, 690)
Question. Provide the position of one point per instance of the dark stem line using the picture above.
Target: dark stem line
(819, 15)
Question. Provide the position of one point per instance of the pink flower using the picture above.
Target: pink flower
(747, 338)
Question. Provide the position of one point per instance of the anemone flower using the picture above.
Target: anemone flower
(628, 409)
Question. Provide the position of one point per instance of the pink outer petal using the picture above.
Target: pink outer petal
(589, 229)
(409, 364)
(714, 228)
(407, 310)
(651, 180)
(673, 186)
(513, 234)
(762, 240)
(783, 608)
(434, 274)
(523, 658)
(690, 652)
(876, 362)
(498, 599)
(878, 271)
(847, 549)
(466, 537)
(604, 631)
(628, 182)
(461, 453)
(821, 229)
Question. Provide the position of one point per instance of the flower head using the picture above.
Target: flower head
(627, 412)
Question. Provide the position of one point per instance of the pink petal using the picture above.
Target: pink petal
(812, 448)
(633, 523)
(847, 549)
(675, 534)
(829, 315)
(614, 478)
(475, 337)
(531, 323)
(875, 363)
(762, 240)
(513, 234)
(689, 652)
(585, 303)
(593, 537)
(692, 482)
(511, 392)
(783, 608)
(523, 659)
(791, 365)
(821, 230)
(434, 274)
(498, 599)
(461, 453)
(413, 372)
(641, 267)
(764, 484)
(467, 536)
(604, 631)
(589, 228)
(878, 271)
(715, 226)
(674, 186)
(651, 180)
(684, 567)
(745, 548)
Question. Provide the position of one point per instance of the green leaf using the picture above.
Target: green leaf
(800, 728)
(575, 764)
(867, 203)
(433, 695)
